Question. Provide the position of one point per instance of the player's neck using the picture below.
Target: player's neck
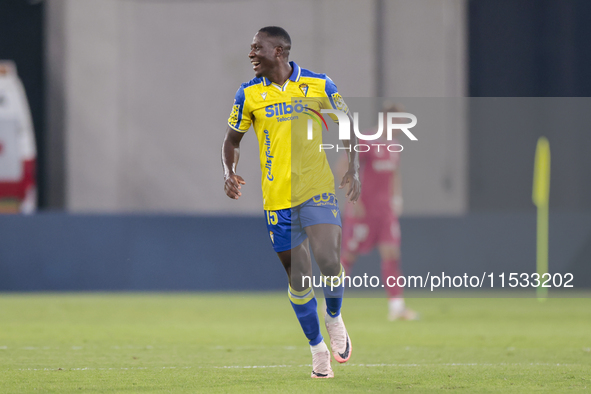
(280, 74)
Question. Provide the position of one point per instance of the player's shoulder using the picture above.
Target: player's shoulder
(311, 74)
(244, 88)
(322, 80)
(252, 82)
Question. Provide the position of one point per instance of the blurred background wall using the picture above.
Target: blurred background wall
(147, 87)
(130, 97)
(130, 100)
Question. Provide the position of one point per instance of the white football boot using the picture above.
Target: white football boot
(340, 342)
(321, 362)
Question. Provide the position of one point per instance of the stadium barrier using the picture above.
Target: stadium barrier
(62, 252)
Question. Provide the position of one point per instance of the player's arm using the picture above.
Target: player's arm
(230, 156)
(342, 166)
(238, 124)
(351, 177)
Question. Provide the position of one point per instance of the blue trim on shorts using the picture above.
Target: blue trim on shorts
(287, 226)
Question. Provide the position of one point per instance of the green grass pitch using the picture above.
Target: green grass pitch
(251, 342)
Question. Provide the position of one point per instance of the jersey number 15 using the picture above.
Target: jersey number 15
(272, 218)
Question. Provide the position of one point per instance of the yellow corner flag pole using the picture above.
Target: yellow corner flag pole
(540, 197)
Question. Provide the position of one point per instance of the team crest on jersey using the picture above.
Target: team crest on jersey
(264, 95)
(304, 89)
(272, 236)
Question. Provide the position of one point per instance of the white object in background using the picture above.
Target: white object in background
(17, 145)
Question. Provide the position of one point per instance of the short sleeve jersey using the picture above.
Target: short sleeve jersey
(293, 167)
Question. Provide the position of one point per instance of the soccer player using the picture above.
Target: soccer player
(298, 185)
(373, 221)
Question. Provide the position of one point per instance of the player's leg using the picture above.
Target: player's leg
(325, 242)
(348, 246)
(292, 247)
(298, 267)
(389, 248)
(390, 258)
(359, 237)
(301, 294)
(348, 259)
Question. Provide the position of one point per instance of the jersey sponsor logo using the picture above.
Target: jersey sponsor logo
(325, 199)
(287, 118)
(280, 109)
(234, 114)
(269, 162)
(321, 197)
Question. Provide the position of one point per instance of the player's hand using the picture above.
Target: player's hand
(232, 185)
(352, 178)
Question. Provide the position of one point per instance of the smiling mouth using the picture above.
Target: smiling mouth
(255, 64)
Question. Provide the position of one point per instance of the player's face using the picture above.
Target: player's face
(262, 54)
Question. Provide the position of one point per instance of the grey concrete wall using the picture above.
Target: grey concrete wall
(149, 86)
(93, 133)
(425, 56)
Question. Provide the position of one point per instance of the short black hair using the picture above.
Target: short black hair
(276, 31)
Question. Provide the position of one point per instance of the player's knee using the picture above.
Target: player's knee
(329, 264)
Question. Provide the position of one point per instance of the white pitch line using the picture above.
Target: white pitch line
(306, 365)
(398, 365)
(95, 369)
(261, 366)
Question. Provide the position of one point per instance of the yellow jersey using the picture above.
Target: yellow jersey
(293, 168)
